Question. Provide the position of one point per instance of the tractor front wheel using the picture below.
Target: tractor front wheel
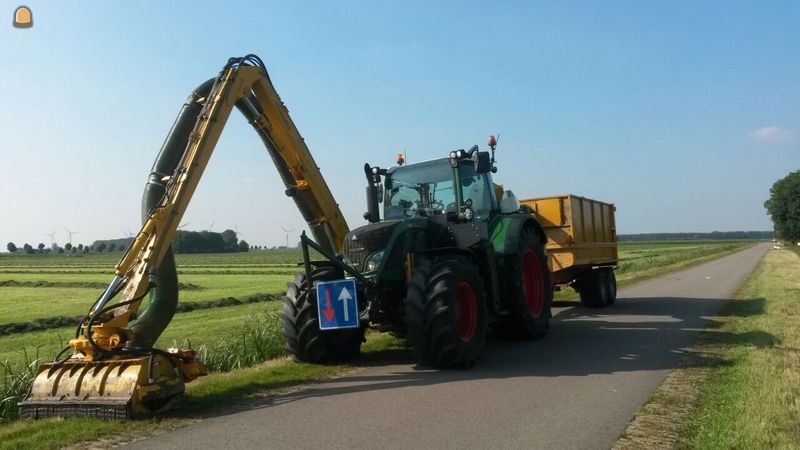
(304, 340)
(446, 312)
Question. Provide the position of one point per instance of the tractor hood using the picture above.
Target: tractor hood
(361, 242)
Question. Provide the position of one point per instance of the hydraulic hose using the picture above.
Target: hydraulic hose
(164, 296)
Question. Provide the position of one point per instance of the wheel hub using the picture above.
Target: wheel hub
(532, 283)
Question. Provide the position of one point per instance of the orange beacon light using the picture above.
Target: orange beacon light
(23, 17)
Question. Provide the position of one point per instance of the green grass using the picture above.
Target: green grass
(753, 399)
(641, 260)
(217, 275)
(203, 327)
(21, 304)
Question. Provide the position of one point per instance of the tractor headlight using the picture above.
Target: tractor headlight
(469, 213)
(453, 155)
(373, 261)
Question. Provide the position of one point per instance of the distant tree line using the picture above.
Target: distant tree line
(185, 242)
(54, 248)
(714, 235)
(208, 242)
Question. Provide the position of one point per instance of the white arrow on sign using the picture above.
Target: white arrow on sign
(344, 296)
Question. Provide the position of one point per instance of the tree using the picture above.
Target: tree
(73, 250)
(100, 247)
(40, 247)
(230, 241)
(11, 247)
(67, 246)
(112, 247)
(60, 249)
(244, 246)
(80, 247)
(27, 248)
(783, 207)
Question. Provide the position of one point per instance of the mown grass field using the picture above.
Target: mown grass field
(40, 286)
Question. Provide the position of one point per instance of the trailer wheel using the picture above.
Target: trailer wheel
(530, 290)
(611, 280)
(446, 312)
(595, 288)
(304, 340)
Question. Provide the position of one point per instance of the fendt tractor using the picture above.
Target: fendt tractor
(449, 255)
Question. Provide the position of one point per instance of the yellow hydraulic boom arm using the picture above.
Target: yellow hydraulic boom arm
(249, 88)
(243, 83)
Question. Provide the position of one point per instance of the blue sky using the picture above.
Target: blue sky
(681, 113)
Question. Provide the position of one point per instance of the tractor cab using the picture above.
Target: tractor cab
(455, 189)
(440, 259)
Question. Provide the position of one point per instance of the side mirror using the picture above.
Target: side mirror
(373, 194)
(483, 162)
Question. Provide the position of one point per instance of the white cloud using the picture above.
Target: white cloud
(773, 134)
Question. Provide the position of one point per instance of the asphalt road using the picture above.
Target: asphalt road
(577, 388)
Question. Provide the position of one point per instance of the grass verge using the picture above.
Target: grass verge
(739, 386)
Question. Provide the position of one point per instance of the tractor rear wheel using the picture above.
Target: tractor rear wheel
(446, 312)
(304, 340)
(530, 290)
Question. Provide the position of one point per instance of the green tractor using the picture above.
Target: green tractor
(446, 260)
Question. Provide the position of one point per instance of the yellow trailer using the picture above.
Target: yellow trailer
(581, 244)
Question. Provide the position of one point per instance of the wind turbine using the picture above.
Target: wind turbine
(52, 237)
(184, 225)
(287, 235)
(236, 230)
(211, 227)
(70, 233)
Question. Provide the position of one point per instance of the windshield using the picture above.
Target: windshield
(426, 189)
(423, 189)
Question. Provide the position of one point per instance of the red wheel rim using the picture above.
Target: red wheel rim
(466, 312)
(532, 283)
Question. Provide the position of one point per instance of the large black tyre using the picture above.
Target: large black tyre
(594, 289)
(529, 289)
(446, 312)
(304, 340)
(611, 279)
